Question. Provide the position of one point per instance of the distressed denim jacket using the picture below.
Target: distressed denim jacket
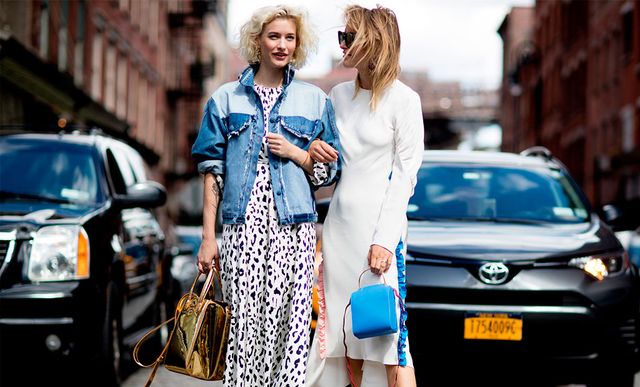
(231, 134)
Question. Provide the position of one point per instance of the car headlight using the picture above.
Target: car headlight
(601, 267)
(59, 253)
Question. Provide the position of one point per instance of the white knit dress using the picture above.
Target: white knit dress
(382, 152)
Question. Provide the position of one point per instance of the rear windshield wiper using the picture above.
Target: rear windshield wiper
(28, 196)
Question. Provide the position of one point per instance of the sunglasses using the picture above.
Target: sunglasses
(346, 37)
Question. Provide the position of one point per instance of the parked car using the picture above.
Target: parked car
(508, 265)
(184, 252)
(80, 256)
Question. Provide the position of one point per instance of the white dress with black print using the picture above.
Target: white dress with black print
(267, 274)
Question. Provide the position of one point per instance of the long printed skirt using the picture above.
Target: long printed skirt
(267, 274)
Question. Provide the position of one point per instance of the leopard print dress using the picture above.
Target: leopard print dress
(267, 274)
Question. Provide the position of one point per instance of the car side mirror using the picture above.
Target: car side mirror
(148, 194)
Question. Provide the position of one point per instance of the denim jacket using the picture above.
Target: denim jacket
(231, 134)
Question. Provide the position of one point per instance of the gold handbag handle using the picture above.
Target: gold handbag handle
(207, 284)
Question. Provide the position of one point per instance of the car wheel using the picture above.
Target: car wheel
(162, 315)
(111, 352)
(625, 378)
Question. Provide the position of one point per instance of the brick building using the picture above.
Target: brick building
(571, 82)
(138, 69)
(451, 112)
(134, 68)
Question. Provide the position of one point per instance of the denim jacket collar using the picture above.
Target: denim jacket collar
(246, 77)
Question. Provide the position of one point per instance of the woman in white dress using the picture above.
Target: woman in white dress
(381, 133)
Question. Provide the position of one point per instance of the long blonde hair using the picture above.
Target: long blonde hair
(306, 40)
(378, 42)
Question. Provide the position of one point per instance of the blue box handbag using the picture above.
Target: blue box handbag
(373, 313)
(373, 310)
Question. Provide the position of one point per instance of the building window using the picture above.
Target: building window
(78, 54)
(43, 39)
(63, 38)
(151, 138)
(110, 79)
(96, 66)
(121, 90)
(132, 111)
(135, 12)
(628, 140)
(576, 19)
(154, 9)
(142, 108)
(627, 34)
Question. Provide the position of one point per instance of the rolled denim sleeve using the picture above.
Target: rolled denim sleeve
(210, 146)
(329, 134)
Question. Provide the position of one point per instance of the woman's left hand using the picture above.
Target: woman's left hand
(379, 259)
(280, 146)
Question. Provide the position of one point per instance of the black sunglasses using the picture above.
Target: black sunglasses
(346, 37)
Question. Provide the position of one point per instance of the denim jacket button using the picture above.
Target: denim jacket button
(275, 166)
(279, 193)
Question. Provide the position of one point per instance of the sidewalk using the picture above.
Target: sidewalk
(165, 378)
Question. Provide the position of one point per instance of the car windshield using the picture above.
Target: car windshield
(47, 172)
(495, 193)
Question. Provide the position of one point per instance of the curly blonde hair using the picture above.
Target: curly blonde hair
(306, 40)
(378, 41)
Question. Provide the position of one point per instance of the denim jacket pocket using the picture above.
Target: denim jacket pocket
(299, 130)
(237, 122)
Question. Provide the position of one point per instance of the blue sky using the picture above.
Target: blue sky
(449, 39)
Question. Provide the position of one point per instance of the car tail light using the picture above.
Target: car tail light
(601, 267)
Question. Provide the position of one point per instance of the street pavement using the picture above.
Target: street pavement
(166, 378)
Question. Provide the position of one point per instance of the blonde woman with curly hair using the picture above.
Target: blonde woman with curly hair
(381, 133)
(251, 149)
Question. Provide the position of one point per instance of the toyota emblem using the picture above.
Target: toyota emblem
(493, 273)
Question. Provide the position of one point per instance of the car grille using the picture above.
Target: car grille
(7, 248)
(496, 297)
(4, 250)
(627, 333)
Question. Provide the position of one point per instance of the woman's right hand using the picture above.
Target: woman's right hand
(322, 152)
(207, 255)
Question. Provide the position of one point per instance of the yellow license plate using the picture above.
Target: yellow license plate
(493, 326)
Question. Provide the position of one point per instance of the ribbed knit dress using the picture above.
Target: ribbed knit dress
(382, 152)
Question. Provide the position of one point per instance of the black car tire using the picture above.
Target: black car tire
(111, 351)
(162, 314)
(615, 378)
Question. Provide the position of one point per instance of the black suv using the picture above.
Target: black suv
(509, 268)
(81, 256)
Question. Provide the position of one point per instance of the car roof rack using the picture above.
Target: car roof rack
(538, 151)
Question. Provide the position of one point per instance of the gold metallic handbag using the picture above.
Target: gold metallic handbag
(198, 342)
